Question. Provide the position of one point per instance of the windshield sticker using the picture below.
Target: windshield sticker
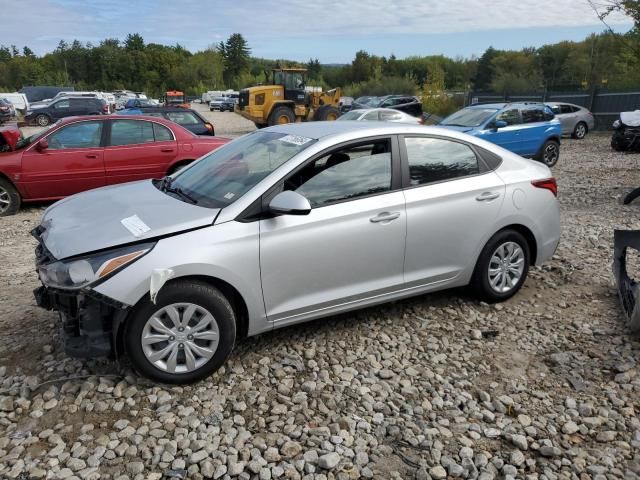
(295, 139)
(229, 195)
(136, 226)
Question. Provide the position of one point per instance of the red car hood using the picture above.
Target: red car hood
(9, 136)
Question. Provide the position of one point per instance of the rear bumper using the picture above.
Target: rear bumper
(89, 320)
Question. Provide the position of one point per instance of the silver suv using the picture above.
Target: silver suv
(285, 225)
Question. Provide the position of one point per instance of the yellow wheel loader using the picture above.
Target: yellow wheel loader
(287, 101)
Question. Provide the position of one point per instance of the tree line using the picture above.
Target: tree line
(601, 60)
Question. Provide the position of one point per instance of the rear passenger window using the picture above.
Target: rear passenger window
(435, 160)
(532, 115)
(183, 118)
(566, 109)
(512, 117)
(162, 133)
(131, 132)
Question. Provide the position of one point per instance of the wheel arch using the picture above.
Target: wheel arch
(528, 236)
(178, 163)
(4, 176)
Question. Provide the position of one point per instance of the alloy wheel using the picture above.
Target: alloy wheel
(551, 154)
(581, 131)
(506, 267)
(5, 200)
(43, 121)
(180, 338)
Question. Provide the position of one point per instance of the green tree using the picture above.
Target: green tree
(236, 54)
(134, 42)
(485, 71)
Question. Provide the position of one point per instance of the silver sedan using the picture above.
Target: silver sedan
(285, 225)
(576, 121)
(379, 115)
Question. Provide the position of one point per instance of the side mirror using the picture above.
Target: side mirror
(499, 124)
(42, 145)
(289, 203)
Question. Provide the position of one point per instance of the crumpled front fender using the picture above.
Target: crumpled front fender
(628, 288)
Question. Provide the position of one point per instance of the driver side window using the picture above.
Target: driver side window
(61, 104)
(76, 135)
(345, 174)
(512, 117)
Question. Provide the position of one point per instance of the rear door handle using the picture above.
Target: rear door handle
(384, 217)
(166, 150)
(487, 196)
(91, 156)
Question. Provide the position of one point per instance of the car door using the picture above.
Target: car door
(452, 201)
(507, 137)
(60, 109)
(138, 149)
(350, 247)
(533, 131)
(72, 162)
(568, 119)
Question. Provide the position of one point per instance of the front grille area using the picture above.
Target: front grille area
(43, 255)
(243, 98)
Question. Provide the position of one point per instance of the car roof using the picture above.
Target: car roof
(499, 106)
(317, 130)
(116, 117)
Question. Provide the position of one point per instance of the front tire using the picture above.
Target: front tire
(550, 153)
(9, 198)
(326, 113)
(184, 337)
(281, 116)
(502, 267)
(43, 120)
(580, 131)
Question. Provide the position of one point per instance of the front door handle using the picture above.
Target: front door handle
(384, 217)
(89, 155)
(487, 196)
(166, 150)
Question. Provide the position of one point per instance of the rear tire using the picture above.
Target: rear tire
(150, 322)
(43, 120)
(550, 153)
(178, 167)
(9, 198)
(631, 196)
(505, 256)
(580, 131)
(281, 116)
(326, 113)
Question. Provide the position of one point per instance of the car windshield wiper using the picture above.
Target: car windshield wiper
(453, 125)
(166, 185)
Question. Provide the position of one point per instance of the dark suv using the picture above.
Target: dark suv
(66, 107)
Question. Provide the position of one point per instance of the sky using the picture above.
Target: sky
(330, 30)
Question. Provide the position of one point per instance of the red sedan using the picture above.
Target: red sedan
(81, 153)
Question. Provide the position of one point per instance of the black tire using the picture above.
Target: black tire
(326, 113)
(42, 120)
(549, 153)
(631, 196)
(480, 280)
(280, 114)
(198, 293)
(618, 142)
(580, 131)
(178, 167)
(8, 193)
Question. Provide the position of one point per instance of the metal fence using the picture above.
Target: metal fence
(605, 105)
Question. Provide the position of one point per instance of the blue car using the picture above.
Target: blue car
(528, 129)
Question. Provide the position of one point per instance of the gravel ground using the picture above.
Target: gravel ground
(545, 386)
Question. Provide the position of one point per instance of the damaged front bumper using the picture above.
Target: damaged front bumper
(628, 288)
(90, 321)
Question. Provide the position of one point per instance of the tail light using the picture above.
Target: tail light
(105, 108)
(548, 184)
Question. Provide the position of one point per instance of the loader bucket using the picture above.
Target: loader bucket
(628, 288)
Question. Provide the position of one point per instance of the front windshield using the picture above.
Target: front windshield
(223, 176)
(365, 100)
(469, 117)
(26, 141)
(352, 115)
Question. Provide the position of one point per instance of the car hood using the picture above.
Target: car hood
(10, 136)
(92, 220)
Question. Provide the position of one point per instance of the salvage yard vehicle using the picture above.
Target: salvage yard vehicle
(528, 129)
(628, 288)
(223, 104)
(7, 110)
(185, 117)
(66, 107)
(626, 132)
(379, 115)
(174, 98)
(81, 153)
(285, 225)
(404, 103)
(576, 121)
(287, 101)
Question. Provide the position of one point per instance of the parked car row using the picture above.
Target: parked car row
(404, 103)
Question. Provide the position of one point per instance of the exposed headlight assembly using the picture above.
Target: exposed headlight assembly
(79, 272)
(617, 124)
